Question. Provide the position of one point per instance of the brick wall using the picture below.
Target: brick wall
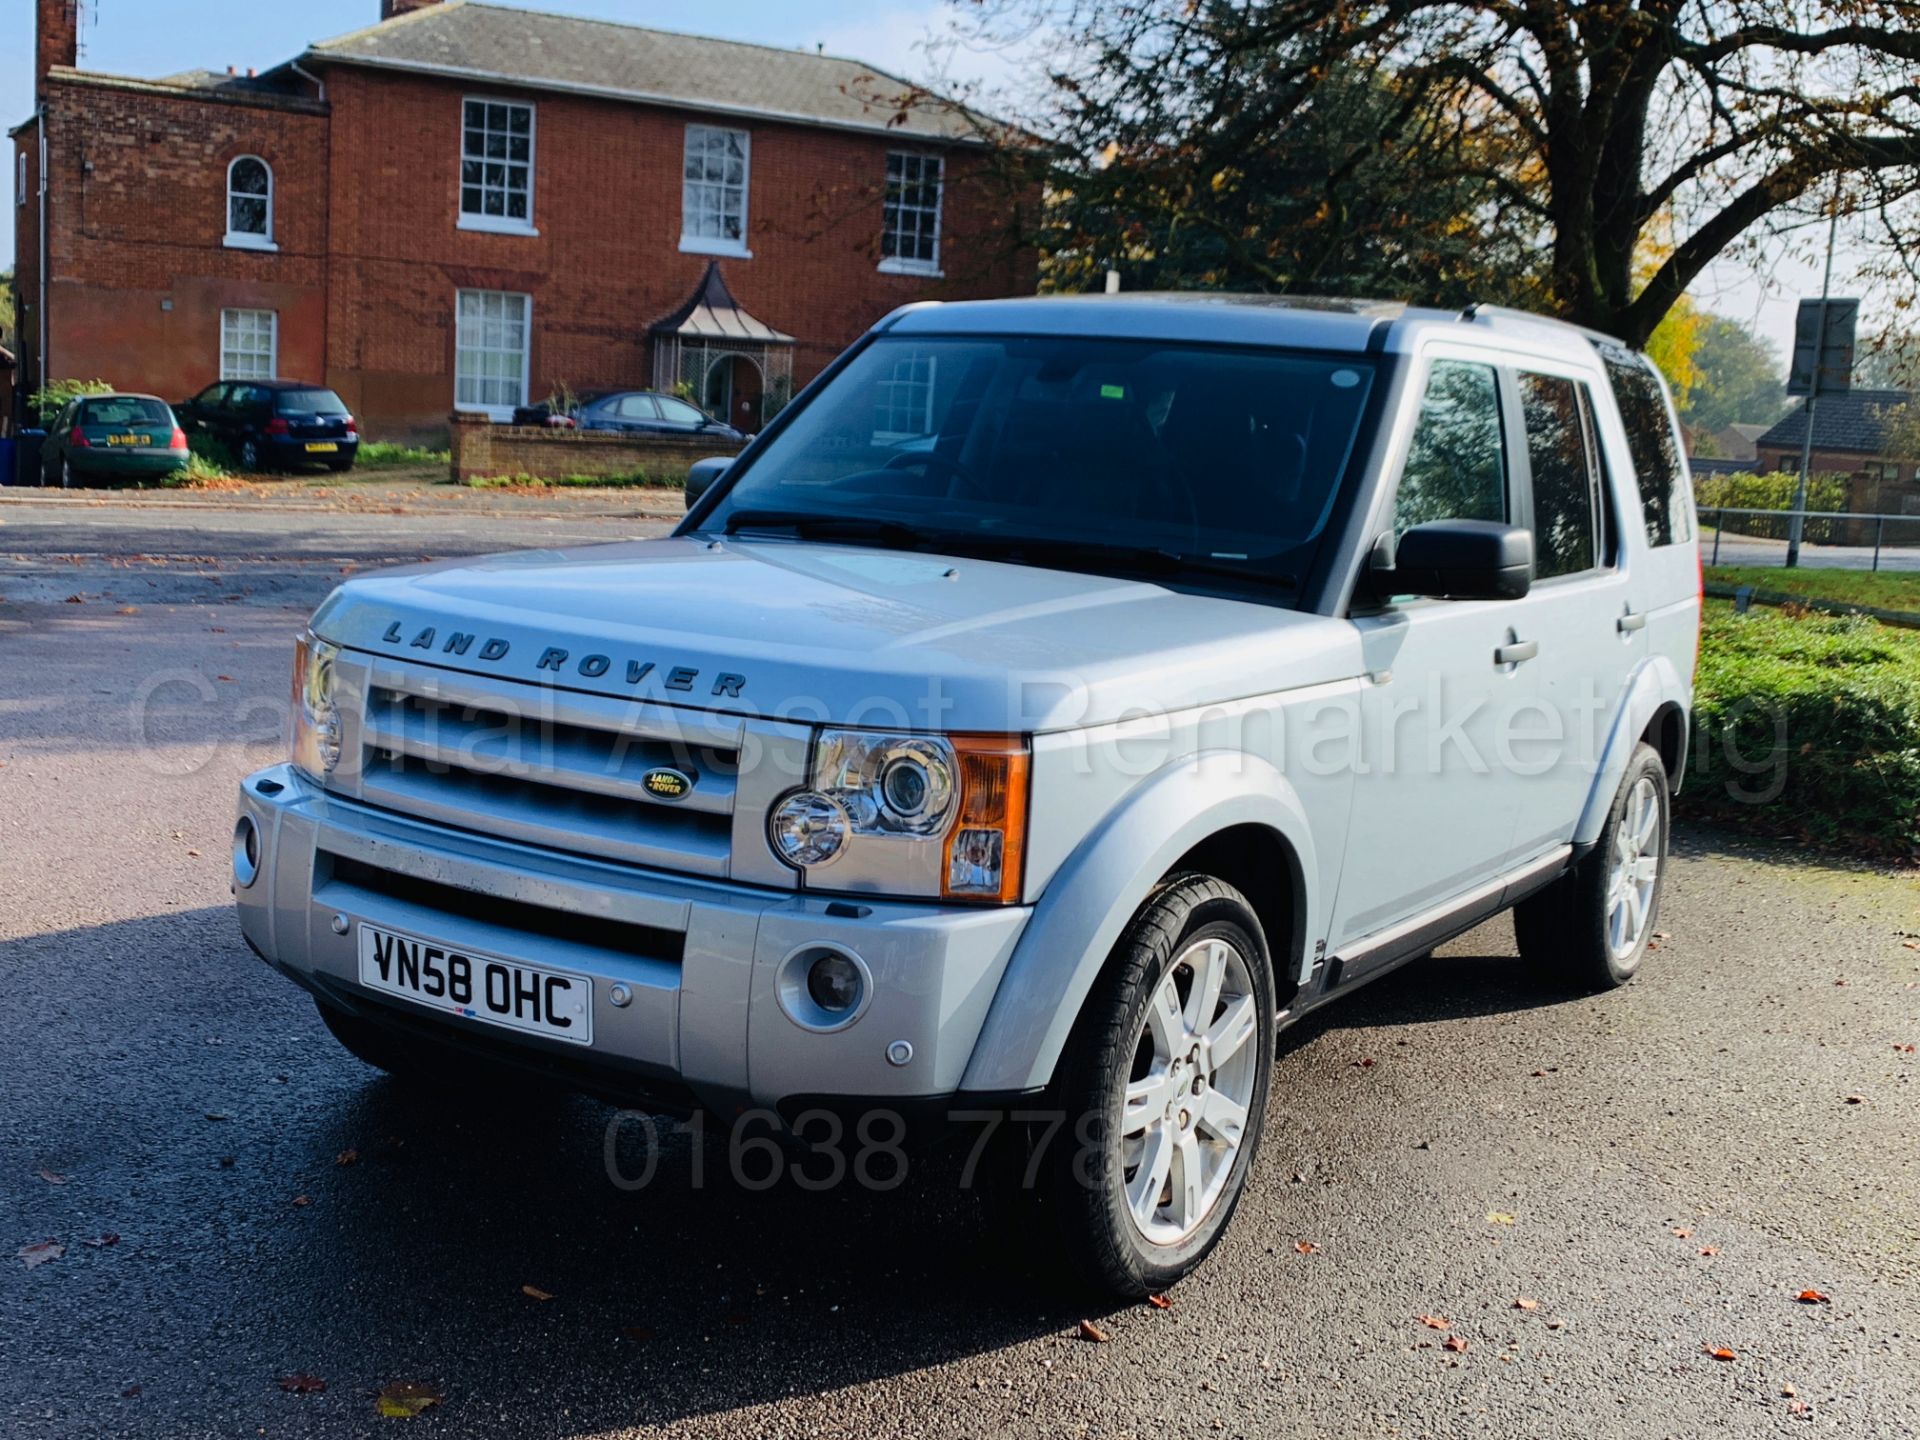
(136, 224)
(606, 262)
(482, 450)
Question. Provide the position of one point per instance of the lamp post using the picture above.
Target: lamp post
(1796, 523)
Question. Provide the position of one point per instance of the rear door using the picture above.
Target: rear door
(1581, 607)
(1656, 498)
(637, 413)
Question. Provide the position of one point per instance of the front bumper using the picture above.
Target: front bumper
(702, 959)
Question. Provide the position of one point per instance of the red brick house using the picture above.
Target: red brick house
(466, 206)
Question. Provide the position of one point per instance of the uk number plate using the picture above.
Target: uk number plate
(322, 447)
(532, 999)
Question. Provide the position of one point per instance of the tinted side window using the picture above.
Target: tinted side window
(638, 407)
(1560, 456)
(679, 412)
(1457, 461)
(1657, 465)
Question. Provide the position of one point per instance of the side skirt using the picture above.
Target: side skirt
(1384, 951)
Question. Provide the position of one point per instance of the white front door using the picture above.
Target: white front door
(1436, 799)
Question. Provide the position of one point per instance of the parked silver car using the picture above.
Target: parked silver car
(1059, 698)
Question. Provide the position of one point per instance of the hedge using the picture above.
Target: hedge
(1809, 725)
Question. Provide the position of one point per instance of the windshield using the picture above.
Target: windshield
(125, 410)
(311, 402)
(1224, 456)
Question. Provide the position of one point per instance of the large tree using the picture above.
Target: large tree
(1737, 378)
(1593, 133)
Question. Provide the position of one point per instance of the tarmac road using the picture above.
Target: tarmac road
(1444, 1143)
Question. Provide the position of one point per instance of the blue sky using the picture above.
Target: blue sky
(160, 37)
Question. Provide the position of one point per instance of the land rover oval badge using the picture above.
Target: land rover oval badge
(667, 784)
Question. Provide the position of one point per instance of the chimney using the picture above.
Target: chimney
(390, 8)
(56, 38)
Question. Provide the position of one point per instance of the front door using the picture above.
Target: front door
(1436, 798)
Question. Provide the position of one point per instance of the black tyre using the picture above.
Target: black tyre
(1589, 929)
(1164, 1089)
(68, 480)
(249, 454)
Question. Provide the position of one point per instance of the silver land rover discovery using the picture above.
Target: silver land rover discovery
(1057, 699)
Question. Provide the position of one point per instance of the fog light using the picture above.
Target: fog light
(246, 852)
(824, 987)
(833, 983)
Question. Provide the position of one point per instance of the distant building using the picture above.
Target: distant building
(464, 206)
(1849, 438)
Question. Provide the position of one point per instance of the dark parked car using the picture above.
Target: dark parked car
(112, 437)
(633, 412)
(274, 424)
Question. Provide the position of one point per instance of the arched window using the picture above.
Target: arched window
(250, 203)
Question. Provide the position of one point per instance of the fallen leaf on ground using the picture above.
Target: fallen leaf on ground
(534, 1292)
(102, 1242)
(1160, 1302)
(346, 1157)
(1812, 1297)
(1455, 1344)
(1304, 1247)
(1798, 1407)
(404, 1399)
(1366, 1064)
(1526, 1302)
(32, 1255)
(302, 1384)
(1499, 1217)
(1091, 1331)
(1856, 1099)
(53, 1179)
(75, 600)
(1683, 1232)
(1718, 1353)
(132, 1392)
(301, 1202)
(211, 1114)
(1432, 1322)
(1709, 1249)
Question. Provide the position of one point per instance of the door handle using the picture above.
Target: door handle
(1516, 652)
(1630, 622)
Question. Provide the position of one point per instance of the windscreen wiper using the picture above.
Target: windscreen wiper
(816, 524)
(1144, 559)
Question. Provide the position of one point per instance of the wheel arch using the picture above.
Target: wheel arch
(1655, 709)
(1207, 806)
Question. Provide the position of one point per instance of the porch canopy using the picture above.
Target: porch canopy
(708, 335)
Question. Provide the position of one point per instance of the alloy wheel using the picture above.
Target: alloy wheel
(1184, 1116)
(1633, 869)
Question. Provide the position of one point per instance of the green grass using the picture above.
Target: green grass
(1884, 589)
(1809, 725)
(385, 455)
(631, 480)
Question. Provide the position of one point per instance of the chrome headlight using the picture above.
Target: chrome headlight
(313, 741)
(909, 815)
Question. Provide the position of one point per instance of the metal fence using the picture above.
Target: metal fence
(1828, 539)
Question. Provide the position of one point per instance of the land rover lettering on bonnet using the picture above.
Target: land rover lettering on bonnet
(1131, 676)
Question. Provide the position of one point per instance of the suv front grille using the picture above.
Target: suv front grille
(568, 772)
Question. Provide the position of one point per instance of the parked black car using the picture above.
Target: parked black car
(634, 412)
(275, 424)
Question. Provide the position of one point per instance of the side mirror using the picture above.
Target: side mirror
(1459, 560)
(704, 472)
